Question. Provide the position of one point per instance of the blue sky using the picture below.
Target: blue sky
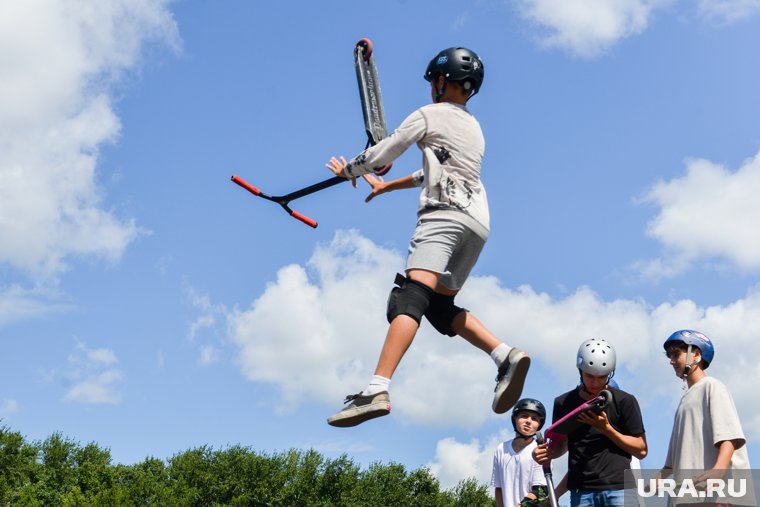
(150, 305)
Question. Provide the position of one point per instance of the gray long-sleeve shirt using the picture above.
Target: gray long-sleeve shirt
(452, 147)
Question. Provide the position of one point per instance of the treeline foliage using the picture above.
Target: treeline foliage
(61, 472)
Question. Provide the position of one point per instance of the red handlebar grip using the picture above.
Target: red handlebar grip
(303, 218)
(240, 181)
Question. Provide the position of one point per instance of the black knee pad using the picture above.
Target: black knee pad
(441, 313)
(409, 298)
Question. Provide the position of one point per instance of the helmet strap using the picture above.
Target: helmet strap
(583, 384)
(439, 93)
(687, 368)
(689, 363)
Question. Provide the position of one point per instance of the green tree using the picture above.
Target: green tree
(469, 493)
(18, 465)
(60, 472)
(339, 477)
(57, 475)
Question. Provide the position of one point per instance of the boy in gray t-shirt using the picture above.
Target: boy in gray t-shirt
(707, 441)
(452, 228)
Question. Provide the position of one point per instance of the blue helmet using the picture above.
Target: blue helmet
(695, 339)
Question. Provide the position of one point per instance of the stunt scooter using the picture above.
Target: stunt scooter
(374, 125)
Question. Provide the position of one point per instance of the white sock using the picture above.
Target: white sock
(500, 353)
(376, 385)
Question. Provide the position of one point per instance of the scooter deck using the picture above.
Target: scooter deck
(369, 92)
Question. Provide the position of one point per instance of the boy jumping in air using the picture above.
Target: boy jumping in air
(452, 228)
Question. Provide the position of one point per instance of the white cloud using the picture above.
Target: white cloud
(709, 212)
(728, 11)
(8, 407)
(61, 63)
(586, 28)
(17, 303)
(331, 348)
(202, 322)
(589, 28)
(102, 356)
(96, 389)
(331, 326)
(455, 461)
(208, 355)
(91, 378)
(208, 312)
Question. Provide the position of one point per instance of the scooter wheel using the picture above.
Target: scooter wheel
(365, 46)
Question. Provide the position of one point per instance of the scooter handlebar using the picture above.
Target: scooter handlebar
(303, 218)
(240, 181)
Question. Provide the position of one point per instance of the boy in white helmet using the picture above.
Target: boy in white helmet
(561, 487)
(600, 451)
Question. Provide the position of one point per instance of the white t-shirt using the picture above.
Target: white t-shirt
(705, 416)
(515, 473)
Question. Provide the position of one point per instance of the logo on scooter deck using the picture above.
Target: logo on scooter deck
(373, 102)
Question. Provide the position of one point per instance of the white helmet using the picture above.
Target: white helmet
(596, 357)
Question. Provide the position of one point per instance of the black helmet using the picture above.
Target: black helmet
(531, 405)
(459, 65)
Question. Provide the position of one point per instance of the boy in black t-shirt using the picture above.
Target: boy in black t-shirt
(601, 450)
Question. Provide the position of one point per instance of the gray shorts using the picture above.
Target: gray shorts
(445, 247)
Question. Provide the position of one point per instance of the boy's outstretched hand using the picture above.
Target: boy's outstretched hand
(378, 185)
(338, 168)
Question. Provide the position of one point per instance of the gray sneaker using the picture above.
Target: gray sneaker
(361, 408)
(510, 380)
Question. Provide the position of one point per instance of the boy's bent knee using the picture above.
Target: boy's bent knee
(441, 313)
(410, 298)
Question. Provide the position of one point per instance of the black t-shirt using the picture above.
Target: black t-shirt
(594, 461)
